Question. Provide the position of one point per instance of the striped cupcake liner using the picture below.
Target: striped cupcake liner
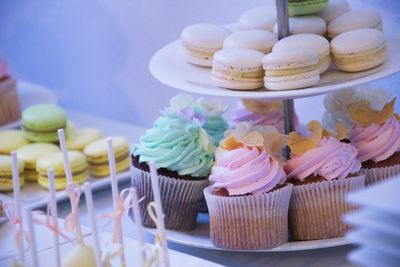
(376, 175)
(249, 222)
(316, 209)
(181, 199)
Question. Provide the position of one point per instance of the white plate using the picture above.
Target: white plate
(132, 250)
(31, 94)
(200, 238)
(169, 67)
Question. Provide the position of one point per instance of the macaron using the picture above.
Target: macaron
(78, 139)
(6, 179)
(41, 122)
(356, 19)
(30, 153)
(335, 9)
(291, 69)
(262, 17)
(359, 50)
(97, 156)
(10, 140)
(310, 41)
(201, 41)
(238, 69)
(306, 7)
(79, 168)
(305, 24)
(254, 39)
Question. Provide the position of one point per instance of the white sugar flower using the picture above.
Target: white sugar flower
(211, 107)
(181, 102)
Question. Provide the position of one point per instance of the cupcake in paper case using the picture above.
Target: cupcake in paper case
(9, 103)
(262, 113)
(376, 135)
(183, 154)
(324, 171)
(249, 199)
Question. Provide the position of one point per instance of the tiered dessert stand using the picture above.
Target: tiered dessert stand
(169, 67)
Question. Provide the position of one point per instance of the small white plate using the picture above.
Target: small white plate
(31, 94)
(200, 238)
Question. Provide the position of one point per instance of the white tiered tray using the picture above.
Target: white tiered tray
(169, 67)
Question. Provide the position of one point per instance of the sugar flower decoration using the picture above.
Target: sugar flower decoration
(181, 106)
(262, 106)
(362, 112)
(210, 107)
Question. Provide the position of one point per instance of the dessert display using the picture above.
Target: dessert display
(262, 17)
(352, 56)
(248, 201)
(10, 140)
(353, 20)
(201, 41)
(9, 102)
(291, 69)
(182, 151)
(6, 173)
(334, 9)
(238, 69)
(305, 24)
(79, 139)
(254, 39)
(323, 170)
(305, 7)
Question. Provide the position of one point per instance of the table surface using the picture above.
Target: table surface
(103, 203)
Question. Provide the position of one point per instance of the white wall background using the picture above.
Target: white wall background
(95, 53)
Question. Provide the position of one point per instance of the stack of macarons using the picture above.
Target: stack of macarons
(37, 148)
(252, 57)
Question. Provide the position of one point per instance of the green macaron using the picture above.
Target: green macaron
(41, 122)
(306, 7)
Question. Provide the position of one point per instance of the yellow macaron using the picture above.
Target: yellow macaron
(79, 168)
(10, 140)
(30, 153)
(6, 180)
(97, 156)
(78, 139)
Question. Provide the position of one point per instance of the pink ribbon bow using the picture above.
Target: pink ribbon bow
(10, 211)
(74, 193)
(123, 204)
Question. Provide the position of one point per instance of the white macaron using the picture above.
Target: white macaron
(238, 68)
(255, 39)
(359, 50)
(314, 42)
(291, 69)
(262, 17)
(201, 41)
(334, 10)
(305, 24)
(356, 19)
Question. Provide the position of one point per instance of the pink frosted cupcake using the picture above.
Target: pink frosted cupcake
(9, 103)
(249, 200)
(323, 171)
(261, 112)
(376, 135)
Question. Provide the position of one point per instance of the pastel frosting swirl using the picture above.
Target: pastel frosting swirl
(376, 142)
(331, 159)
(246, 170)
(215, 127)
(177, 145)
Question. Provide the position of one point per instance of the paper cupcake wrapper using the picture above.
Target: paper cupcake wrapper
(249, 222)
(181, 199)
(316, 209)
(376, 175)
(203, 205)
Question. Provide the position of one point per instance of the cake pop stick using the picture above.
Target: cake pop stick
(159, 212)
(73, 190)
(32, 237)
(54, 216)
(92, 220)
(17, 207)
(139, 226)
(115, 193)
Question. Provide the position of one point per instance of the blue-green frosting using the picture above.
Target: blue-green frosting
(177, 145)
(216, 127)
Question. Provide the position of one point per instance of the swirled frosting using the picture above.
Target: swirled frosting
(331, 159)
(376, 142)
(246, 170)
(178, 145)
(216, 127)
(3, 70)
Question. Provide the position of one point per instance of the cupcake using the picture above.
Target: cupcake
(376, 135)
(323, 171)
(248, 201)
(261, 112)
(183, 154)
(9, 102)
